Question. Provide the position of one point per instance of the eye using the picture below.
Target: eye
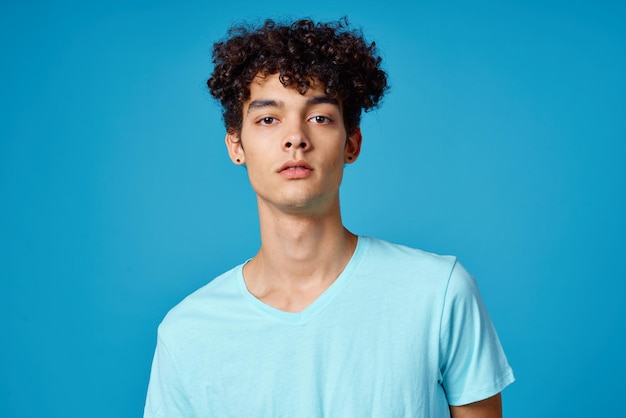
(268, 120)
(321, 119)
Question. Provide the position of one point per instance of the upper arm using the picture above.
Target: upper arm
(487, 408)
(472, 365)
(166, 397)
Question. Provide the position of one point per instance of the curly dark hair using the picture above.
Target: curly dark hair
(330, 53)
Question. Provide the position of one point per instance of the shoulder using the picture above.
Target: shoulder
(406, 273)
(405, 260)
(206, 302)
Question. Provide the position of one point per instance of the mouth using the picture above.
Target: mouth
(295, 169)
(294, 166)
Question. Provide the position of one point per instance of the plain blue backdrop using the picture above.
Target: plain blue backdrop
(502, 141)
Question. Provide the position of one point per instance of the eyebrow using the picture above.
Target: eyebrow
(259, 104)
(322, 99)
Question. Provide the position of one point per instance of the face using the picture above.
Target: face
(294, 146)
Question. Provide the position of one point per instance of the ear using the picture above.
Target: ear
(234, 147)
(353, 145)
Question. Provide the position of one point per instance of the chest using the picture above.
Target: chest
(373, 358)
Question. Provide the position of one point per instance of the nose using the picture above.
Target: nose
(296, 139)
(302, 144)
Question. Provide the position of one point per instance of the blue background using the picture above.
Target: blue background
(502, 141)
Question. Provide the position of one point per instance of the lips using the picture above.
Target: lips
(295, 169)
(295, 165)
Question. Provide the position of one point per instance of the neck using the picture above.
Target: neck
(300, 256)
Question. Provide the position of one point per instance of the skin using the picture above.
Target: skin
(487, 408)
(304, 243)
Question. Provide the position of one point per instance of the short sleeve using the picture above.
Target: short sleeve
(166, 397)
(473, 365)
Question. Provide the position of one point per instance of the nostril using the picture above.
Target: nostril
(288, 144)
(303, 144)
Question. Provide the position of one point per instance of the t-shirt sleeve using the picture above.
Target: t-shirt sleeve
(473, 365)
(166, 397)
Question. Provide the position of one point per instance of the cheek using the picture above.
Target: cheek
(253, 169)
(336, 166)
(339, 159)
(259, 168)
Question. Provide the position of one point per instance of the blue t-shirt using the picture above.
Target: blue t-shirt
(400, 333)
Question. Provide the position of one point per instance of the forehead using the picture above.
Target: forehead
(270, 85)
(267, 92)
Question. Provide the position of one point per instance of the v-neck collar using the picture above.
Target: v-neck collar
(318, 304)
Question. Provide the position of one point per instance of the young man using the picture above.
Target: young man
(320, 322)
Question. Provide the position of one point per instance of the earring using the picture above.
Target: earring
(238, 160)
